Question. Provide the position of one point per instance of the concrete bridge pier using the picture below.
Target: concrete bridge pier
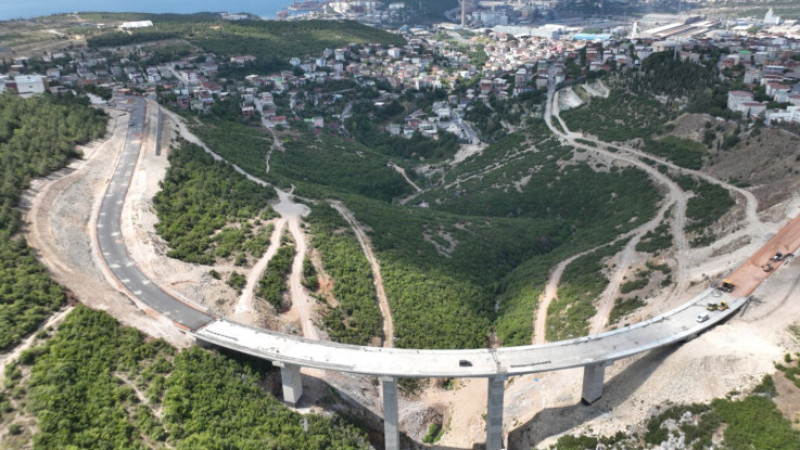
(593, 376)
(391, 432)
(291, 382)
(494, 413)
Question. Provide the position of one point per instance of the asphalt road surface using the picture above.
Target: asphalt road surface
(109, 234)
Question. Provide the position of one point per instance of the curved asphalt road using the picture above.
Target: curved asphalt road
(674, 326)
(109, 234)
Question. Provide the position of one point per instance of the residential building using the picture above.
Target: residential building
(28, 85)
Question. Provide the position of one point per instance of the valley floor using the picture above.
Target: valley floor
(733, 356)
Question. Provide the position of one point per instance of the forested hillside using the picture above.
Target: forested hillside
(271, 42)
(356, 319)
(37, 136)
(96, 384)
(457, 265)
(207, 210)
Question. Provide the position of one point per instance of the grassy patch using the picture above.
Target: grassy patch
(791, 370)
(656, 240)
(236, 281)
(327, 165)
(621, 116)
(633, 285)
(709, 203)
(435, 432)
(583, 280)
(657, 433)
(755, 422)
(240, 144)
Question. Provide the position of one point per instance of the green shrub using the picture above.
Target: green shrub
(272, 284)
(357, 319)
(237, 281)
(199, 197)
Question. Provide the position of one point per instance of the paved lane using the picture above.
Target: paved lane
(112, 246)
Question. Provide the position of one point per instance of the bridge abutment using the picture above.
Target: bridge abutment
(494, 413)
(291, 382)
(391, 432)
(593, 377)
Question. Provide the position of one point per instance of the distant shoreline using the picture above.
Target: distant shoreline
(265, 9)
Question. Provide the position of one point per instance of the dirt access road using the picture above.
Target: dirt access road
(732, 356)
(366, 246)
(544, 405)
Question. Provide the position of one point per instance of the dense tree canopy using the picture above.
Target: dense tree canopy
(37, 136)
(96, 384)
(268, 41)
(199, 197)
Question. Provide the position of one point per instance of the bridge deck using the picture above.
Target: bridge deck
(673, 326)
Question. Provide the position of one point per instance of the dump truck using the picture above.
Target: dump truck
(726, 286)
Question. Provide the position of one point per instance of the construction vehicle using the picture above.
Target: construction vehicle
(723, 305)
(778, 257)
(767, 267)
(726, 286)
(711, 306)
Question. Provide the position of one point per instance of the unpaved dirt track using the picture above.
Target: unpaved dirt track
(301, 301)
(732, 356)
(550, 294)
(403, 173)
(675, 196)
(377, 278)
(53, 321)
(246, 304)
(291, 214)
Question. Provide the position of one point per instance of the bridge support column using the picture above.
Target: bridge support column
(391, 432)
(494, 413)
(593, 375)
(291, 382)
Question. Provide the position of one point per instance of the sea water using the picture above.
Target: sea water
(24, 9)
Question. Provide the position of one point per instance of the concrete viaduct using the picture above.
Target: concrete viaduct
(290, 353)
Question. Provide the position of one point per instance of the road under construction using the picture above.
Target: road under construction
(291, 353)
